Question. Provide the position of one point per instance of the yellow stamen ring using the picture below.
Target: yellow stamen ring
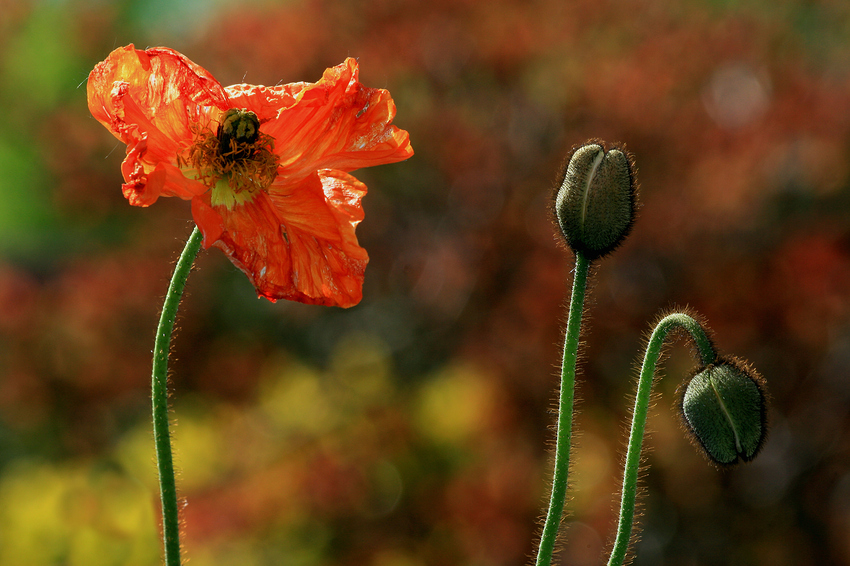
(236, 162)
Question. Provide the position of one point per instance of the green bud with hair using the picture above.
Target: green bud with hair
(595, 203)
(724, 407)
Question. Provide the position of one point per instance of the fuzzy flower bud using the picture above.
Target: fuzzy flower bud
(724, 407)
(595, 203)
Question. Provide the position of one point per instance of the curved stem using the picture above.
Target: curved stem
(565, 415)
(630, 475)
(159, 400)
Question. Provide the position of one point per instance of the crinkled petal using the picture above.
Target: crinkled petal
(295, 242)
(208, 220)
(336, 123)
(264, 101)
(162, 87)
(151, 100)
(143, 187)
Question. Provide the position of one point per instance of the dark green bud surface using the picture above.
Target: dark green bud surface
(595, 204)
(724, 407)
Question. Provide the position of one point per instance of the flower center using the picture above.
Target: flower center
(236, 162)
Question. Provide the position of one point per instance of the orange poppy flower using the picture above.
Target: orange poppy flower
(266, 168)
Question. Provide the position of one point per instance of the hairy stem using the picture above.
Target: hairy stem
(630, 474)
(159, 400)
(565, 415)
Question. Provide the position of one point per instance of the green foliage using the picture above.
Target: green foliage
(26, 209)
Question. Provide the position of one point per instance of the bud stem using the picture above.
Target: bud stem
(159, 400)
(707, 356)
(565, 414)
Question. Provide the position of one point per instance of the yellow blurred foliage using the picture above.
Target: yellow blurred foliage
(454, 406)
(75, 514)
(294, 399)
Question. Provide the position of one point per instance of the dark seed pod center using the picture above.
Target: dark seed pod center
(239, 129)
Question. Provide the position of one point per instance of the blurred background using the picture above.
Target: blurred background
(415, 428)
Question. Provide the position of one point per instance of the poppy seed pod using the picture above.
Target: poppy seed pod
(724, 407)
(238, 127)
(595, 203)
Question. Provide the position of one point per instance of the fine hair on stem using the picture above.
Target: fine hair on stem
(634, 462)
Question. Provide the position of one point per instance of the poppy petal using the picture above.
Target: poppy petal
(208, 220)
(264, 101)
(295, 242)
(336, 123)
(144, 184)
(151, 100)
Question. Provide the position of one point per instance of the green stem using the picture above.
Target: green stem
(159, 400)
(630, 474)
(565, 415)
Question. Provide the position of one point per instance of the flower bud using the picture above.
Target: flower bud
(595, 204)
(724, 407)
